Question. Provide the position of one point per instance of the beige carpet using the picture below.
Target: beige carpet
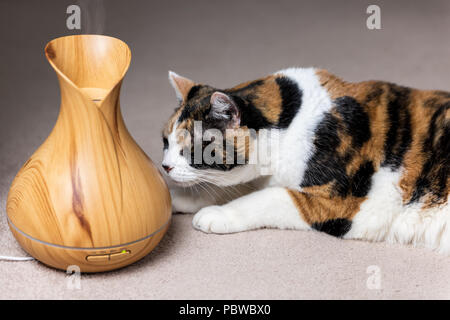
(264, 264)
(222, 42)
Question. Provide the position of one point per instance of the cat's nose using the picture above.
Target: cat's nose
(167, 168)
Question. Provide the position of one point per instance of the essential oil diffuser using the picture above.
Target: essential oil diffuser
(89, 196)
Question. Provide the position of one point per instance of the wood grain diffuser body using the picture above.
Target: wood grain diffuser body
(89, 196)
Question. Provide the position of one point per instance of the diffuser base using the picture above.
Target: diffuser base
(88, 260)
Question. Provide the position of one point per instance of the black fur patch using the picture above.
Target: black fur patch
(335, 227)
(291, 97)
(193, 92)
(186, 112)
(199, 98)
(437, 166)
(250, 115)
(362, 179)
(398, 138)
(326, 165)
(358, 184)
(356, 120)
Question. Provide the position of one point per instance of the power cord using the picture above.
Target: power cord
(11, 258)
(8, 258)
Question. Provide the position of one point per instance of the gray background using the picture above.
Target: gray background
(222, 43)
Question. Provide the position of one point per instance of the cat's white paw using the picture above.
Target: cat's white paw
(217, 219)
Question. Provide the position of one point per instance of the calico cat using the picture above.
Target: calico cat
(367, 160)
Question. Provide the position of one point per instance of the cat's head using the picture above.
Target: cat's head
(204, 140)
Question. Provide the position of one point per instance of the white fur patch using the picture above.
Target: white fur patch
(270, 207)
(297, 143)
(384, 217)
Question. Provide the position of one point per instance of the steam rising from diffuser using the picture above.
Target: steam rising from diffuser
(93, 16)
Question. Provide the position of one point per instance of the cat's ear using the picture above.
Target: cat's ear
(181, 85)
(224, 108)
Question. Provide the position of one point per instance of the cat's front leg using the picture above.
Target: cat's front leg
(267, 208)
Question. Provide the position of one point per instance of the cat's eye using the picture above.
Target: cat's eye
(166, 143)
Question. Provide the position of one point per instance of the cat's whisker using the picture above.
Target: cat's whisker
(206, 190)
(212, 189)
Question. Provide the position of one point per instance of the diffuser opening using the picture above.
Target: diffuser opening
(93, 63)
